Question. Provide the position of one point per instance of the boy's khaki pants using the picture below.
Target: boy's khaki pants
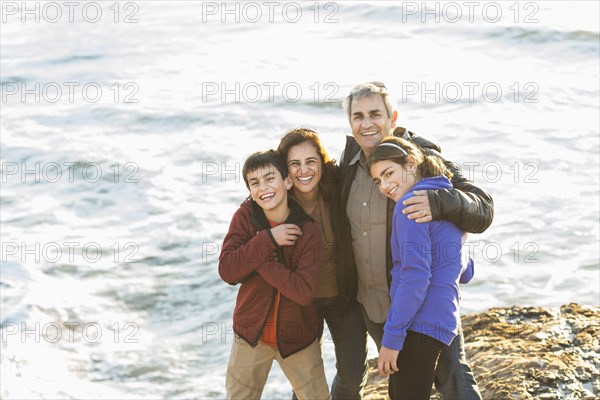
(249, 368)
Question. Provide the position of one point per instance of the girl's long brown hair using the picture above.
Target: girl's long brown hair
(427, 166)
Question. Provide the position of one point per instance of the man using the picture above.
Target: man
(372, 117)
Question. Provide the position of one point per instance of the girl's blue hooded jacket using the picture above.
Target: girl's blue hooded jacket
(429, 262)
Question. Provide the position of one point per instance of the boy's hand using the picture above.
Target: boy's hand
(286, 234)
(387, 361)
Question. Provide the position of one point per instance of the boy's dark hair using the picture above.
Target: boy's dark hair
(262, 159)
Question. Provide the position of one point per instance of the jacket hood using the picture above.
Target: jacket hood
(431, 183)
(424, 143)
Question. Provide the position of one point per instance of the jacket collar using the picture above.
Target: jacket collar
(354, 150)
(402, 133)
(356, 158)
(297, 215)
(398, 132)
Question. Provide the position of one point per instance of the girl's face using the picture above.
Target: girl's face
(304, 167)
(394, 180)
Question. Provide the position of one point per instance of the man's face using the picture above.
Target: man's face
(370, 122)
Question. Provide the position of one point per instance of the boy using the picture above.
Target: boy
(277, 265)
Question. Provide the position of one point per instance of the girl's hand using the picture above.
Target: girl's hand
(286, 234)
(418, 207)
(387, 361)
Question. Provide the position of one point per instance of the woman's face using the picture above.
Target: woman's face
(304, 167)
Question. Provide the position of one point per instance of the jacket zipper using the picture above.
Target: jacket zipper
(277, 327)
(271, 305)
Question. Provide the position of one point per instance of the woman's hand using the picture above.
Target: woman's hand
(387, 361)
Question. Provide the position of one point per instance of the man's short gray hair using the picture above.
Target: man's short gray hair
(368, 89)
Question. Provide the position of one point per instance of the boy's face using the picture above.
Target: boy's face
(267, 188)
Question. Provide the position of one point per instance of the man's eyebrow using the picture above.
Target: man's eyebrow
(377, 110)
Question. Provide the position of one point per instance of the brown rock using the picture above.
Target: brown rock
(527, 352)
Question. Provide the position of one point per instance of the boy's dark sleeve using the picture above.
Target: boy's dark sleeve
(243, 252)
(299, 284)
(467, 206)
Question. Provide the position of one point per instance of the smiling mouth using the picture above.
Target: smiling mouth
(267, 197)
(391, 192)
(369, 133)
(304, 179)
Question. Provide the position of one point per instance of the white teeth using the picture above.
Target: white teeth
(369, 133)
(267, 196)
(391, 192)
(305, 179)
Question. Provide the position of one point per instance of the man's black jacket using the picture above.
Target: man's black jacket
(469, 207)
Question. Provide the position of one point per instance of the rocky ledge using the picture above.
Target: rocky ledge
(527, 353)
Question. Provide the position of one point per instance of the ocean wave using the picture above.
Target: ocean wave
(73, 59)
(541, 35)
(13, 79)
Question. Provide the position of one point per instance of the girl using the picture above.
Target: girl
(315, 178)
(428, 263)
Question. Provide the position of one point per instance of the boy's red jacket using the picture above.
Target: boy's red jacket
(251, 257)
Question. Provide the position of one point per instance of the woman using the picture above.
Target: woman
(315, 178)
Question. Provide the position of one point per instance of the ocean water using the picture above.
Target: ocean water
(124, 126)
